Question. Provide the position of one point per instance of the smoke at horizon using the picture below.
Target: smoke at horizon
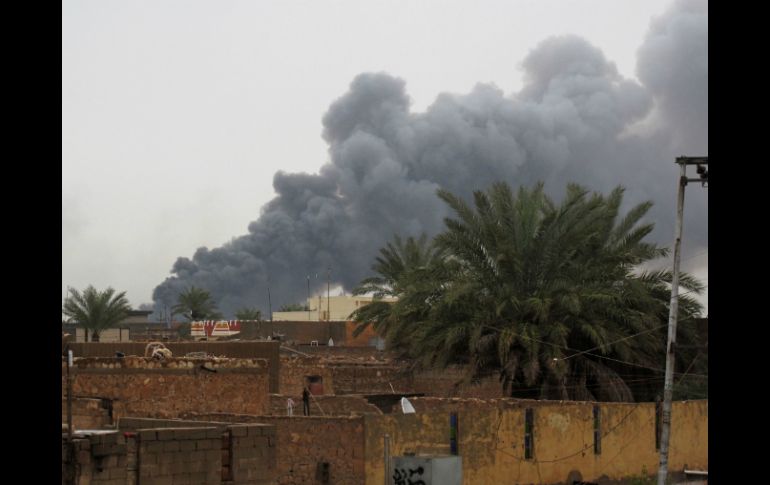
(575, 120)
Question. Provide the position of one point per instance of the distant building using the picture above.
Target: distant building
(136, 326)
(322, 309)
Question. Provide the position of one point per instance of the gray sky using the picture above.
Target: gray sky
(177, 114)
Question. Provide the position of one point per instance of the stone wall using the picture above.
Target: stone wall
(295, 369)
(235, 350)
(88, 413)
(324, 405)
(305, 444)
(355, 372)
(369, 378)
(143, 387)
(450, 382)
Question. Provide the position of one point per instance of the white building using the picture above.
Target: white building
(335, 308)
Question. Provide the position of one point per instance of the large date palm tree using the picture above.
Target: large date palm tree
(549, 296)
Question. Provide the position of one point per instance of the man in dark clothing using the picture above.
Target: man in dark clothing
(305, 402)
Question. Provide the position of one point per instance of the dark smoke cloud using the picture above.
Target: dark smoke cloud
(576, 119)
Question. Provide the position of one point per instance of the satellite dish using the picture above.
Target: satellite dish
(406, 406)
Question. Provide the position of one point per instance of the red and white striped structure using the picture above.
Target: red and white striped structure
(215, 328)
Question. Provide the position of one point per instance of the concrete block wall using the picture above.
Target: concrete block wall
(169, 456)
(253, 454)
(95, 460)
(304, 444)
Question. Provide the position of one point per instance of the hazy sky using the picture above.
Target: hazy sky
(177, 114)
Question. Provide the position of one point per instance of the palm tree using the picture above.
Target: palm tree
(548, 296)
(196, 304)
(405, 272)
(248, 314)
(96, 310)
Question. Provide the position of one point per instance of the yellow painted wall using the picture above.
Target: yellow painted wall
(491, 440)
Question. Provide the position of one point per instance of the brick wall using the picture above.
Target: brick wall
(179, 455)
(213, 453)
(96, 460)
(302, 443)
(88, 413)
(253, 453)
(143, 387)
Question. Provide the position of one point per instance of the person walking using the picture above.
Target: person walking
(305, 402)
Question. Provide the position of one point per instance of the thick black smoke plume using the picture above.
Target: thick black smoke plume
(576, 119)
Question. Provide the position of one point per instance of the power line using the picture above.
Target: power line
(588, 353)
(614, 342)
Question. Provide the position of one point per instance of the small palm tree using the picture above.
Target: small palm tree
(196, 304)
(248, 314)
(96, 310)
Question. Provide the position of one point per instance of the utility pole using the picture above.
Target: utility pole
(308, 298)
(328, 304)
(668, 387)
(69, 395)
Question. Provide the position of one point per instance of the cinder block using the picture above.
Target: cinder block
(148, 458)
(165, 434)
(257, 430)
(147, 434)
(261, 441)
(153, 446)
(244, 441)
(84, 456)
(239, 430)
(148, 470)
(170, 446)
(199, 434)
(214, 433)
(179, 468)
(118, 472)
(107, 449)
(165, 468)
(166, 458)
(187, 445)
(183, 479)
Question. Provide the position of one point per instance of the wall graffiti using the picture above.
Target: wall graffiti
(404, 476)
